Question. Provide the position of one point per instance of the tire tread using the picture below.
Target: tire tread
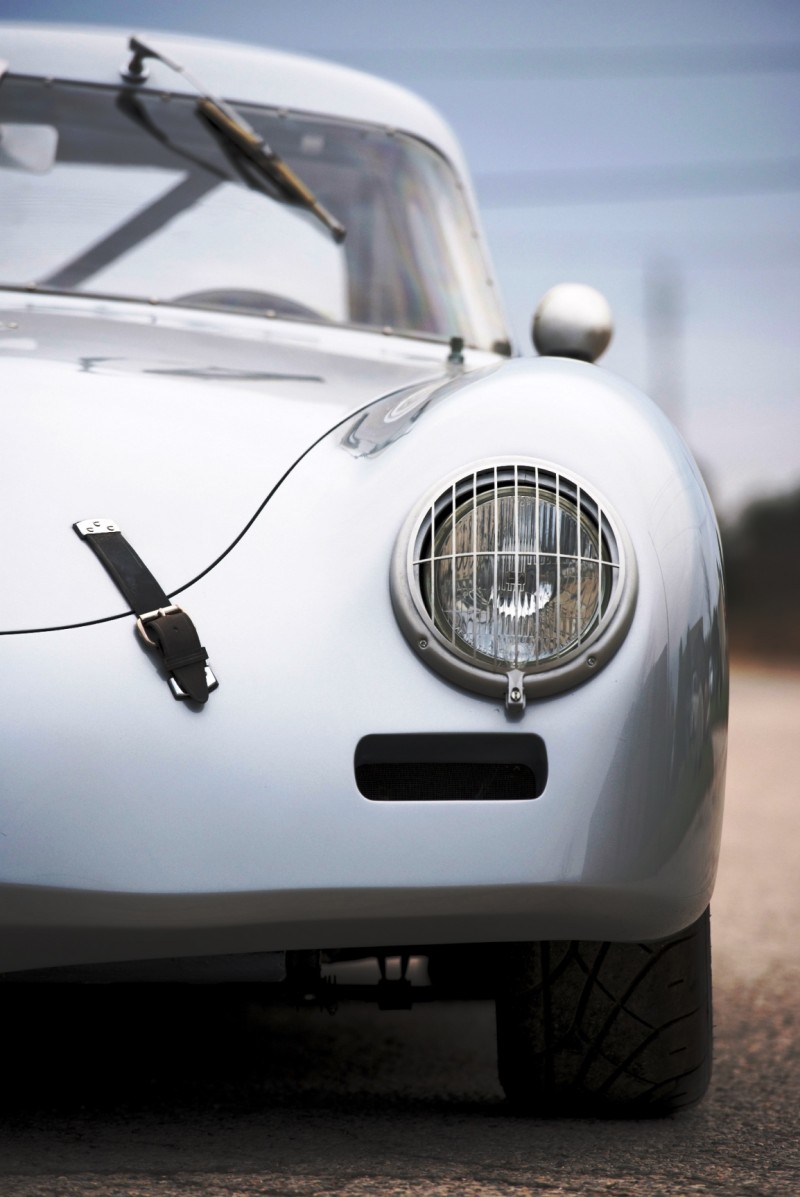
(606, 1028)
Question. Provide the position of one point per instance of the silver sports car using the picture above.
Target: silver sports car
(333, 628)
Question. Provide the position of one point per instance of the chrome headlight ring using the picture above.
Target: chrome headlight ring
(514, 578)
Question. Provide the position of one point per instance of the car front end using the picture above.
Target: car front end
(465, 612)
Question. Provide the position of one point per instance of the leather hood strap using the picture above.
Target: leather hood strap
(162, 625)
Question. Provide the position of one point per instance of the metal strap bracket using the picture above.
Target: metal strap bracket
(149, 616)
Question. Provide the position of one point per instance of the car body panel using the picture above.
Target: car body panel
(625, 835)
(94, 384)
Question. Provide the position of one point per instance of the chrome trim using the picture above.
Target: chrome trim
(149, 616)
(178, 690)
(92, 527)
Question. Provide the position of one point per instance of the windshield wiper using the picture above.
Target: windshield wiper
(237, 132)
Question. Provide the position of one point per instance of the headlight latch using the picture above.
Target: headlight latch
(515, 694)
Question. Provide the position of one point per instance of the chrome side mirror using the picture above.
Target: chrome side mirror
(572, 320)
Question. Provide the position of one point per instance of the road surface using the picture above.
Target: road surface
(406, 1105)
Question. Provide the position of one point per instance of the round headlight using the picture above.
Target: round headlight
(514, 575)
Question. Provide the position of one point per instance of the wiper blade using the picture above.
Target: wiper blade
(236, 130)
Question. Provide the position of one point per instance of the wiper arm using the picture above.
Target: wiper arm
(236, 131)
(239, 133)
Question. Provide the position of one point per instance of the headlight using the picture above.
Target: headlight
(516, 577)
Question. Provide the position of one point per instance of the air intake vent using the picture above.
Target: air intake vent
(451, 768)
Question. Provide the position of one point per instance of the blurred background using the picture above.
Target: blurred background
(650, 149)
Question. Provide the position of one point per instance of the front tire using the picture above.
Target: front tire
(606, 1029)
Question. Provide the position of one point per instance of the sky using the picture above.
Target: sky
(650, 148)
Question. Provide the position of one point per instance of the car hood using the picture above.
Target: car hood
(176, 425)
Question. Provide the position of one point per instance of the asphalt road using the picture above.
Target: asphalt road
(400, 1105)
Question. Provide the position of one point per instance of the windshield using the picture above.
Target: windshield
(133, 194)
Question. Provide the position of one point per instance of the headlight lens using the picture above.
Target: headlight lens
(514, 569)
(516, 575)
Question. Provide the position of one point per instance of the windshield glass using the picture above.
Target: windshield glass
(133, 194)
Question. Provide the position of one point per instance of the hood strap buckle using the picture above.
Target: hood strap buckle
(162, 625)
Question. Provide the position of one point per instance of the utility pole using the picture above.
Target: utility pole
(665, 305)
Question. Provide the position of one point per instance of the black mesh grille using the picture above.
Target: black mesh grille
(445, 781)
(451, 767)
